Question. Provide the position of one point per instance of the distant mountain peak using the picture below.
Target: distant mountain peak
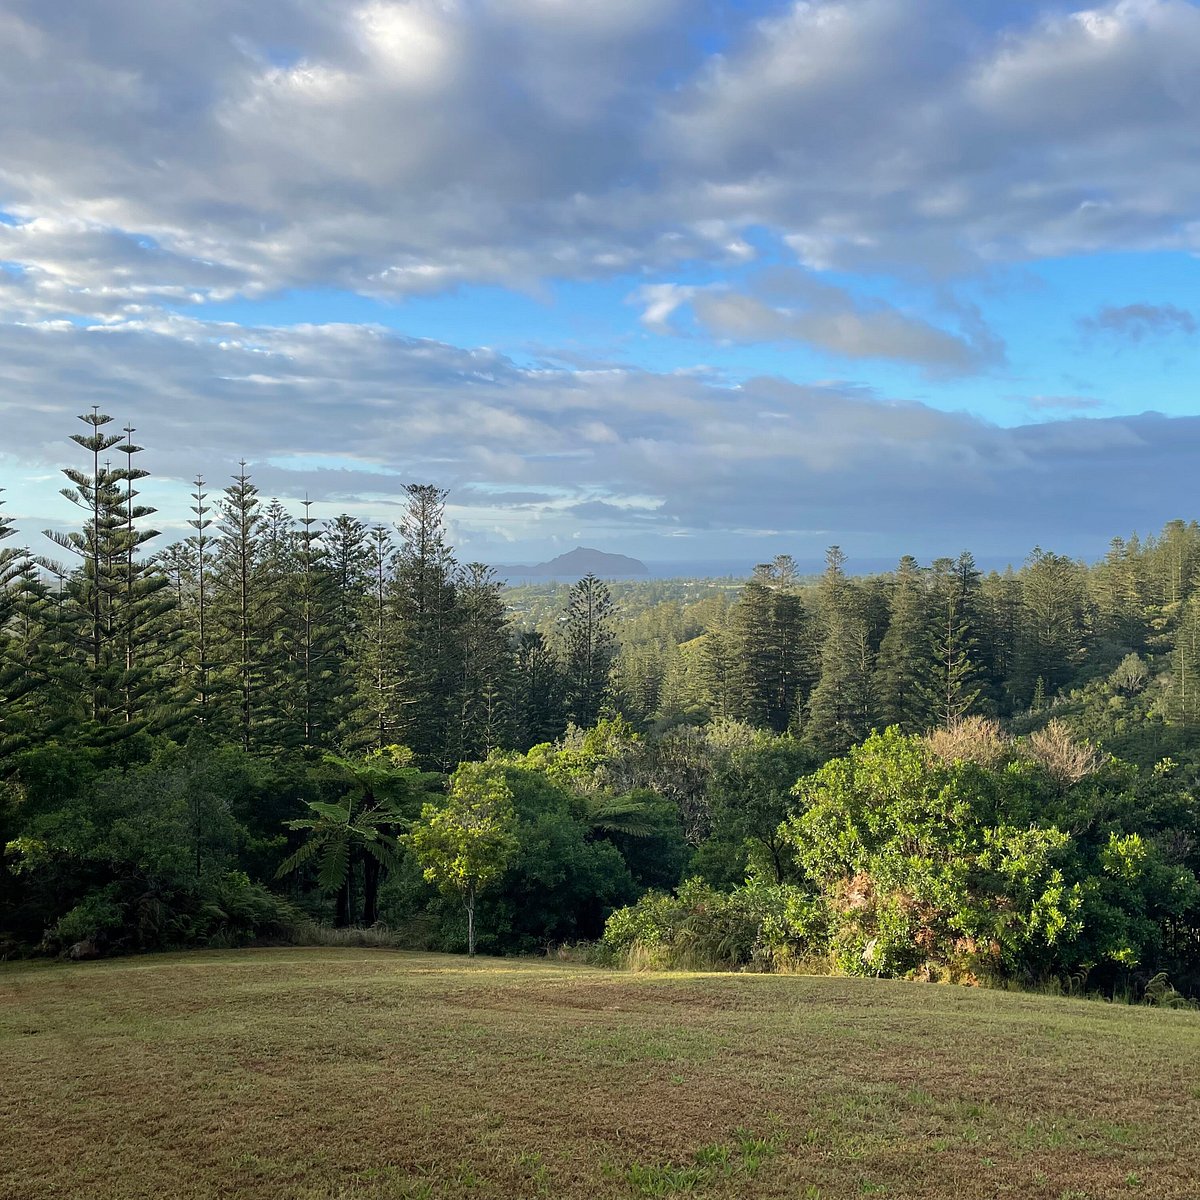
(584, 560)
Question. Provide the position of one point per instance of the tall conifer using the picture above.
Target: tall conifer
(903, 669)
(590, 648)
(841, 707)
(423, 603)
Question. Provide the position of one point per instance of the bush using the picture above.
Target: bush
(760, 927)
(234, 910)
(99, 918)
(228, 909)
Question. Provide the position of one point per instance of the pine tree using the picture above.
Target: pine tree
(685, 686)
(111, 611)
(199, 554)
(176, 563)
(348, 562)
(904, 668)
(485, 687)
(538, 691)
(590, 647)
(310, 671)
(423, 603)
(1119, 596)
(754, 661)
(720, 676)
(238, 605)
(91, 591)
(841, 707)
(1000, 608)
(375, 653)
(14, 562)
(145, 602)
(1175, 562)
(637, 681)
(1183, 697)
(1053, 625)
(954, 683)
(772, 650)
(15, 568)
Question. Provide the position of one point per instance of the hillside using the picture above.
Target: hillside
(577, 563)
(300, 1074)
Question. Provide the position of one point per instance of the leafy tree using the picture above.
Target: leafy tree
(467, 844)
(136, 857)
(751, 795)
(915, 876)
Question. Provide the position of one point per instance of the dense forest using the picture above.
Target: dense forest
(281, 725)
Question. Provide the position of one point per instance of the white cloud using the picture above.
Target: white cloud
(399, 147)
(660, 302)
(789, 305)
(885, 132)
(163, 155)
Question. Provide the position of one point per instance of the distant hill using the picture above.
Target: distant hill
(577, 563)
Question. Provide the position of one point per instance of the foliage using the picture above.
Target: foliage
(466, 845)
(760, 926)
(175, 718)
(962, 870)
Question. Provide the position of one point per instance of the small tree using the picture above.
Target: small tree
(468, 843)
(337, 834)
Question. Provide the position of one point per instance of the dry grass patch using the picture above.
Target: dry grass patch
(349, 1073)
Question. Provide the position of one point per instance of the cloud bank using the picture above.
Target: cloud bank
(346, 414)
(750, 173)
(406, 147)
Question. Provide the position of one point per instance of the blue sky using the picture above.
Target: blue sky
(688, 280)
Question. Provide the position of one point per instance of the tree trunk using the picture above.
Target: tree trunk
(370, 890)
(470, 903)
(342, 919)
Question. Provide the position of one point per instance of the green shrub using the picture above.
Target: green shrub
(98, 918)
(760, 926)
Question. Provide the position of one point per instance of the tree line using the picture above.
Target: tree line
(280, 719)
(278, 633)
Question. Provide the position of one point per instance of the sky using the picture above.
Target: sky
(691, 281)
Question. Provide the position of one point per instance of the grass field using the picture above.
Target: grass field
(370, 1074)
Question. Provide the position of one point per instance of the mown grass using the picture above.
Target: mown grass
(365, 1074)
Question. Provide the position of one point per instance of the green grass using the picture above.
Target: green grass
(372, 1074)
